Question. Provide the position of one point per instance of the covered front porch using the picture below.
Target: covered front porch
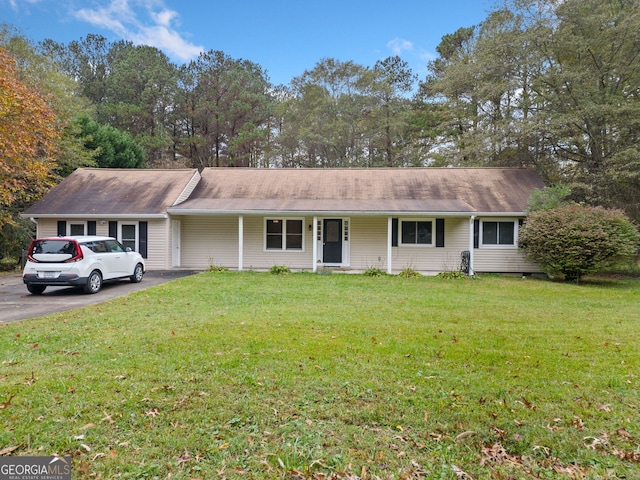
(346, 241)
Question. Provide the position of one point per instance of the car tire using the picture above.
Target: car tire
(36, 289)
(138, 272)
(94, 282)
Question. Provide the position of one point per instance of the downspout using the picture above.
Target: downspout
(240, 242)
(389, 244)
(314, 242)
(471, 222)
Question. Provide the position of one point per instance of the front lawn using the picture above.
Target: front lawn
(252, 375)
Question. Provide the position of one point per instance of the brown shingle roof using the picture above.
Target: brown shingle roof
(99, 191)
(453, 190)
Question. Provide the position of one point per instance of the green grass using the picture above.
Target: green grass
(252, 375)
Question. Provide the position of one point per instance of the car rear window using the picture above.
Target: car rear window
(53, 247)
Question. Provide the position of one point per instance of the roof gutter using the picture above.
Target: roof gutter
(102, 216)
(193, 212)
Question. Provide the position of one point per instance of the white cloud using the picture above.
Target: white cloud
(15, 6)
(399, 45)
(143, 22)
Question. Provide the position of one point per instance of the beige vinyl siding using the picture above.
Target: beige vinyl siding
(48, 227)
(502, 260)
(369, 246)
(257, 258)
(157, 245)
(208, 241)
(436, 259)
(368, 242)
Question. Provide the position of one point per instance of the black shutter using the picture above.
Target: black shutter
(113, 229)
(91, 227)
(394, 232)
(143, 227)
(476, 233)
(439, 232)
(62, 228)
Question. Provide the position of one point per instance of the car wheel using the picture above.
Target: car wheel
(138, 272)
(94, 282)
(36, 289)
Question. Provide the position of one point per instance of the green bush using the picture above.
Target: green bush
(279, 270)
(8, 264)
(374, 272)
(453, 275)
(576, 240)
(218, 269)
(409, 273)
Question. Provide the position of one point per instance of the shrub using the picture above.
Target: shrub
(279, 270)
(576, 240)
(218, 268)
(374, 272)
(452, 275)
(409, 273)
(8, 264)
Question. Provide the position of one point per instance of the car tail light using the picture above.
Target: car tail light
(30, 252)
(77, 256)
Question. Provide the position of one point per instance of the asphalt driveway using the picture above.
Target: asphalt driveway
(16, 303)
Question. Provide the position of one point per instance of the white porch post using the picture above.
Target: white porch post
(314, 242)
(389, 244)
(471, 222)
(240, 242)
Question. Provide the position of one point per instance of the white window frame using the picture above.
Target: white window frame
(284, 248)
(84, 227)
(414, 220)
(137, 234)
(513, 221)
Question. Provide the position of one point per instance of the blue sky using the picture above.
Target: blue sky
(285, 37)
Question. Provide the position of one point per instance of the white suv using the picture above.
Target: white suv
(79, 261)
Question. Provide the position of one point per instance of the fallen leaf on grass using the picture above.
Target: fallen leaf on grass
(152, 413)
(577, 423)
(622, 433)
(628, 456)
(185, 457)
(31, 381)
(595, 443)
(107, 418)
(461, 473)
(7, 450)
(527, 403)
(464, 435)
(4, 405)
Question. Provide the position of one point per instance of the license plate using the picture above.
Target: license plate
(49, 274)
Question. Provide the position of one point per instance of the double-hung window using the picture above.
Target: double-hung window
(498, 233)
(416, 232)
(284, 234)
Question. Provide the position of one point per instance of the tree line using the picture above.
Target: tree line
(549, 84)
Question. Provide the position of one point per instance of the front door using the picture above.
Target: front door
(175, 239)
(332, 241)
